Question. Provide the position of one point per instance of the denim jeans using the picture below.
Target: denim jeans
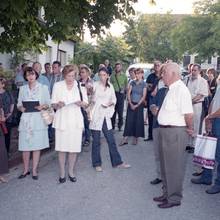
(207, 173)
(113, 151)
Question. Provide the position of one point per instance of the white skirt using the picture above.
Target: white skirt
(68, 140)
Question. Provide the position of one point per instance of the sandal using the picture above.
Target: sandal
(3, 180)
(135, 141)
(98, 169)
(124, 166)
(123, 143)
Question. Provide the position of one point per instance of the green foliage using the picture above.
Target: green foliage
(24, 29)
(111, 48)
(200, 33)
(114, 49)
(150, 37)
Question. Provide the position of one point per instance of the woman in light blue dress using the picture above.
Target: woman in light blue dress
(33, 135)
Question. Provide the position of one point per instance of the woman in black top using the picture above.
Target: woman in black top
(3, 152)
(8, 107)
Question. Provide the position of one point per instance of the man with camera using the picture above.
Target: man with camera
(119, 82)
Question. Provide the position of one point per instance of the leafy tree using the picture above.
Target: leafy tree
(150, 37)
(23, 28)
(111, 48)
(84, 53)
(199, 33)
(114, 49)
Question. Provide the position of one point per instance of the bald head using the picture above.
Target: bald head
(171, 73)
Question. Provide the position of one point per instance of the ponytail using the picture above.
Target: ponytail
(107, 84)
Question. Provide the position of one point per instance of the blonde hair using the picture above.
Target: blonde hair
(70, 68)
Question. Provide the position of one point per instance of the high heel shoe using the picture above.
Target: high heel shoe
(123, 143)
(62, 180)
(22, 176)
(35, 177)
(72, 179)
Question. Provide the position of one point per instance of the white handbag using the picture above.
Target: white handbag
(48, 116)
(204, 153)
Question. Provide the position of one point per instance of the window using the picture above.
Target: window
(218, 63)
(186, 60)
(62, 57)
(49, 55)
(209, 60)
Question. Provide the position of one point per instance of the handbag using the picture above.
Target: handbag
(48, 116)
(204, 153)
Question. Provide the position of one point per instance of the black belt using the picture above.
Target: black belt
(171, 126)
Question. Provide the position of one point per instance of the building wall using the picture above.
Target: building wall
(214, 62)
(5, 59)
(65, 48)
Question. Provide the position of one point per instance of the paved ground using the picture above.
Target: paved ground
(112, 195)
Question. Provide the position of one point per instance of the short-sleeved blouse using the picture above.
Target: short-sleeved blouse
(137, 90)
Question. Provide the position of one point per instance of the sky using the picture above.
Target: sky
(143, 6)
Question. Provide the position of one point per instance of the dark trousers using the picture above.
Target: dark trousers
(51, 133)
(86, 133)
(8, 136)
(207, 174)
(150, 123)
(113, 151)
(119, 108)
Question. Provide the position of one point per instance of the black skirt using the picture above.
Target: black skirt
(3, 155)
(134, 125)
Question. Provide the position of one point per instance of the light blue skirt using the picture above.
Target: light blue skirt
(37, 140)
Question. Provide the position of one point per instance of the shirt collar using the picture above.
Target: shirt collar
(175, 84)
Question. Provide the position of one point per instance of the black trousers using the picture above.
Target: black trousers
(150, 123)
(119, 108)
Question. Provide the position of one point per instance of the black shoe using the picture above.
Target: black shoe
(62, 180)
(201, 181)
(155, 181)
(35, 177)
(189, 148)
(119, 129)
(72, 179)
(197, 173)
(191, 151)
(22, 176)
(148, 139)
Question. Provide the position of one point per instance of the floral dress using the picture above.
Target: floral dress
(33, 131)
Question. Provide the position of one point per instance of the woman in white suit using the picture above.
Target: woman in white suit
(67, 99)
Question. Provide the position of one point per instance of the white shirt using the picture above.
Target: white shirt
(197, 86)
(70, 116)
(176, 104)
(216, 101)
(101, 96)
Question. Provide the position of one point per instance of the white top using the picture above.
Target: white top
(176, 104)
(101, 96)
(197, 86)
(70, 116)
(160, 84)
(216, 101)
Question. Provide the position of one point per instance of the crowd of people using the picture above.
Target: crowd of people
(84, 104)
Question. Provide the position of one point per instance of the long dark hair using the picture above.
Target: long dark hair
(105, 70)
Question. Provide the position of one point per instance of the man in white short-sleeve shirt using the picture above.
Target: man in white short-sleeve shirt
(175, 118)
(199, 89)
